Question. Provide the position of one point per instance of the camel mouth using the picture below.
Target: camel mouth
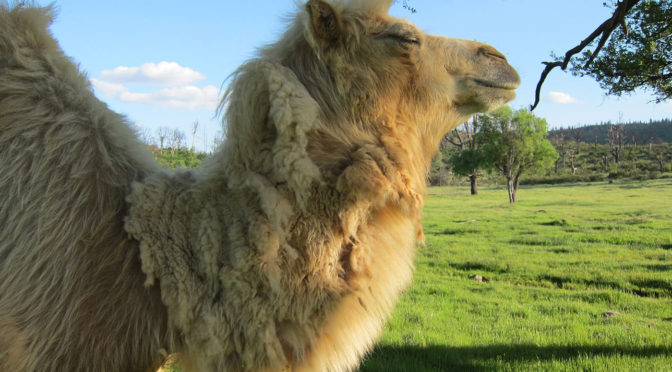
(507, 85)
(484, 95)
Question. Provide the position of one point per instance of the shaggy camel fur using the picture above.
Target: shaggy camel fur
(286, 251)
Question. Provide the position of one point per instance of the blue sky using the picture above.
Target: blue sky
(163, 63)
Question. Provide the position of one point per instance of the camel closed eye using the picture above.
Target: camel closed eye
(404, 39)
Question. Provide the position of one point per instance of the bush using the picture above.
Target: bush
(180, 158)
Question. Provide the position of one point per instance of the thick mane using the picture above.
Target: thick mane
(297, 223)
(307, 219)
(355, 105)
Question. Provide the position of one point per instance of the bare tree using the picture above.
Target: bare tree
(595, 141)
(146, 136)
(559, 141)
(660, 152)
(605, 161)
(193, 135)
(206, 140)
(176, 140)
(577, 138)
(219, 138)
(616, 139)
(163, 133)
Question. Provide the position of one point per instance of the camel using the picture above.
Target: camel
(285, 251)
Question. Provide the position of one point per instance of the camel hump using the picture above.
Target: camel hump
(66, 166)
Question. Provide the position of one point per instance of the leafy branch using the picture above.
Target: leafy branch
(605, 30)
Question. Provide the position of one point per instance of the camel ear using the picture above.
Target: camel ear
(324, 21)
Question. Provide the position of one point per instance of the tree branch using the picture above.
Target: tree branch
(408, 7)
(605, 29)
(455, 134)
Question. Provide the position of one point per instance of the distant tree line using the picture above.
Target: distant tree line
(583, 154)
(653, 131)
(631, 150)
(170, 147)
(506, 147)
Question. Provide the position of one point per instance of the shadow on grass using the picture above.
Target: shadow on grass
(661, 267)
(484, 358)
(632, 185)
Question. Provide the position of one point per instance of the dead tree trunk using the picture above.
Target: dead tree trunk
(193, 135)
(571, 162)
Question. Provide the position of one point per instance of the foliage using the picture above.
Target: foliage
(178, 158)
(408, 7)
(438, 174)
(635, 161)
(637, 55)
(604, 31)
(467, 161)
(469, 157)
(556, 262)
(514, 143)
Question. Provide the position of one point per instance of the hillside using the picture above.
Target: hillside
(588, 153)
(639, 133)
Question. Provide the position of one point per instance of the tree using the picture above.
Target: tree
(616, 140)
(146, 136)
(405, 4)
(637, 50)
(193, 135)
(162, 133)
(660, 153)
(514, 143)
(559, 141)
(636, 46)
(218, 140)
(468, 157)
(577, 136)
(437, 174)
(176, 140)
(639, 54)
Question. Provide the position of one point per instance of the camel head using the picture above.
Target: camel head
(365, 66)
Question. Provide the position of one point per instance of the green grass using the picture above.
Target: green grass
(557, 260)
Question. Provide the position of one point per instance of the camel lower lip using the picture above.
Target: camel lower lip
(490, 84)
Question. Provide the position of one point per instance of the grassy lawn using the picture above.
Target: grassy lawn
(555, 262)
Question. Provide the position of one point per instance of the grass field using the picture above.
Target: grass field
(556, 261)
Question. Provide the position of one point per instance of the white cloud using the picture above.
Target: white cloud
(562, 98)
(176, 91)
(106, 89)
(188, 97)
(162, 73)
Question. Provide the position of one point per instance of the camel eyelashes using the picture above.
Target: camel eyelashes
(404, 39)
